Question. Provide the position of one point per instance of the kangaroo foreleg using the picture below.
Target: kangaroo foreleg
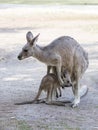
(58, 68)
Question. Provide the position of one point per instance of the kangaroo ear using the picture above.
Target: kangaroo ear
(34, 40)
(29, 36)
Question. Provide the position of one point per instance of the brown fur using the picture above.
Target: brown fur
(51, 86)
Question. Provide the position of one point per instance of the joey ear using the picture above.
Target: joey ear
(29, 36)
(34, 40)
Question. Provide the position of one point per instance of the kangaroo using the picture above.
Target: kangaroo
(51, 86)
(63, 51)
(64, 74)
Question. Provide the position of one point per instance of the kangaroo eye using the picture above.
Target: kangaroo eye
(25, 50)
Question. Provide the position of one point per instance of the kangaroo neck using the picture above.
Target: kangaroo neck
(38, 53)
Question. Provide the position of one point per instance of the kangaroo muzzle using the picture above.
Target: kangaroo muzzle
(19, 57)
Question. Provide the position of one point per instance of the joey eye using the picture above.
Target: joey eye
(25, 50)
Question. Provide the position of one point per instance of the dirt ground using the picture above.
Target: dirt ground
(19, 80)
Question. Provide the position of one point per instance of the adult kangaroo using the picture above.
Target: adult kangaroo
(62, 52)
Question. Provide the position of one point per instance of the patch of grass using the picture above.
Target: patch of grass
(70, 128)
(22, 125)
(67, 127)
(55, 125)
(14, 124)
(36, 125)
(71, 2)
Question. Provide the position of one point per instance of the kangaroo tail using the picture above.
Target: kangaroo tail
(83, 91)
(26, 102)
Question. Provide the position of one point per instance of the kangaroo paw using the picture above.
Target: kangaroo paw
(75, 103)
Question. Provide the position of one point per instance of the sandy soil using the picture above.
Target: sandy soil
(19, 80)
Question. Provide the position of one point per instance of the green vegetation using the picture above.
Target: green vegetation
(22, 125)
(14, 124)
(67, 127)
(77, 2)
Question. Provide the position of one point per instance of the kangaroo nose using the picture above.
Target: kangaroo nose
(19, 57)
(68, 82)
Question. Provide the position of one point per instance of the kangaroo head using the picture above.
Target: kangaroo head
(28, 49)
